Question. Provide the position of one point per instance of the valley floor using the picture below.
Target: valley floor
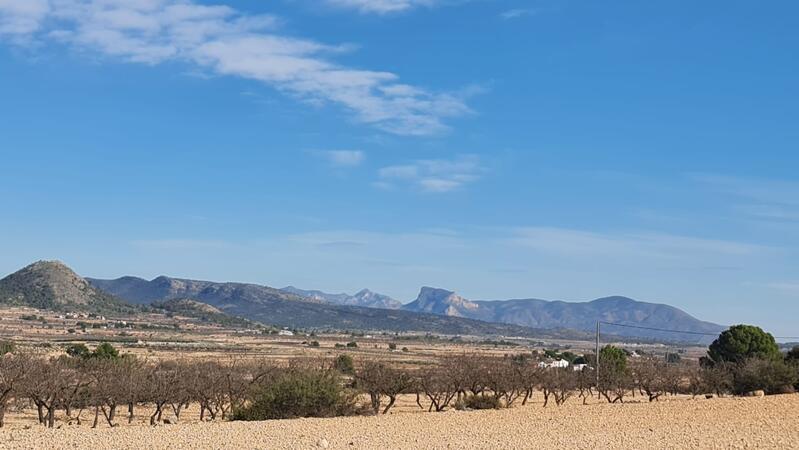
(771, 422)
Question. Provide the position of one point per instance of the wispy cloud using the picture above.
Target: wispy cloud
(517, 13)
(789, 287)
(223, 41)
(181, 244)
(384, 6)
(343, 158)
(432, 175)
(655, 246)
(767, 200)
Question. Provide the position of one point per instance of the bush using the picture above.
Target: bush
(301, 393)
(313, 344)
(344, 364)
(392, 346)
(77, 350)
(105, 351)
(771, 376)
(478, 402)
(352, 344)
(6, 347)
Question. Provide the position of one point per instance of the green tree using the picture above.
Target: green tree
(613, 359)
(793, 355)
(77, 350)
(742, 342)
(105, 351)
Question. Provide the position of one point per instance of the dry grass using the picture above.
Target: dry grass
(771, 422)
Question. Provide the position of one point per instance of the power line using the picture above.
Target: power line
(696, 333)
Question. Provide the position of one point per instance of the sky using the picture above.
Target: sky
(555, 149)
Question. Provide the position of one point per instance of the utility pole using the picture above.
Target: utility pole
(596, 369)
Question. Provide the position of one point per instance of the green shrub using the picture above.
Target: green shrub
(299, 393)
(771, 376)
(6, 347)
(313, 344)
(105, 351)
(344, 364)
(352, 344)
(478, 402)
(77, 350)
(392, 346)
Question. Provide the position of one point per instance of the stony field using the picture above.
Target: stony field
(770, 422)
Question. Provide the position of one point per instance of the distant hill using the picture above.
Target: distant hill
(54, 286)
(275, 307)
(201, 311)
(138, 290)
(542, 314)
(364, 297)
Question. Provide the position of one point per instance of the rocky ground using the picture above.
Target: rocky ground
(770, 422)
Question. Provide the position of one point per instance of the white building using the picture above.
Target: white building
(557, 364)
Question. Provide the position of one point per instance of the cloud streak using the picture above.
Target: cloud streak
(223, 41)
(383, 7)
(432, 175)
(344, 158)
(517, 13)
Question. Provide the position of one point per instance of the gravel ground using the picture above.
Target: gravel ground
(771, 422)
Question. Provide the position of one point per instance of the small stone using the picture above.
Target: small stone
(322, 443)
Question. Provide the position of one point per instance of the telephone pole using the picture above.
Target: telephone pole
(596, 369)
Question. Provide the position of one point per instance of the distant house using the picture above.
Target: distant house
(285, 333)
(580, 367)
(554, 364)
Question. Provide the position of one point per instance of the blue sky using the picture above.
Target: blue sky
(556, 149)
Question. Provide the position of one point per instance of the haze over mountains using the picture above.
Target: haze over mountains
(53, 285)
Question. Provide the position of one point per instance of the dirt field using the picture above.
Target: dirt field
(771, 422)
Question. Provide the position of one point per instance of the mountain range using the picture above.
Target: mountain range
(286, 309)
(364, 297)
(583, 316)
(52, 285)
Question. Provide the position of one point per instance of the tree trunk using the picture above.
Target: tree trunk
(96, 416)
(391, 400)
(130, 412)
(51, 416)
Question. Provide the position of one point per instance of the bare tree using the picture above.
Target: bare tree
(650, 377)
(14, 368)
(435, 383)
(379, 379)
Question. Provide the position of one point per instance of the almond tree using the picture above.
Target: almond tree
(14, 368)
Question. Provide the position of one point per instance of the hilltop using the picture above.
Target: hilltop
(54, 286)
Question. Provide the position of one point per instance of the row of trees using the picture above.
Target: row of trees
(104, 383)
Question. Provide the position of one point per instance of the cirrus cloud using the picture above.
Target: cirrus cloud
(221, 40)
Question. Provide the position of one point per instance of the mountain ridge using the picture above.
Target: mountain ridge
(272, 306)
(547, 314)
(364, 297)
